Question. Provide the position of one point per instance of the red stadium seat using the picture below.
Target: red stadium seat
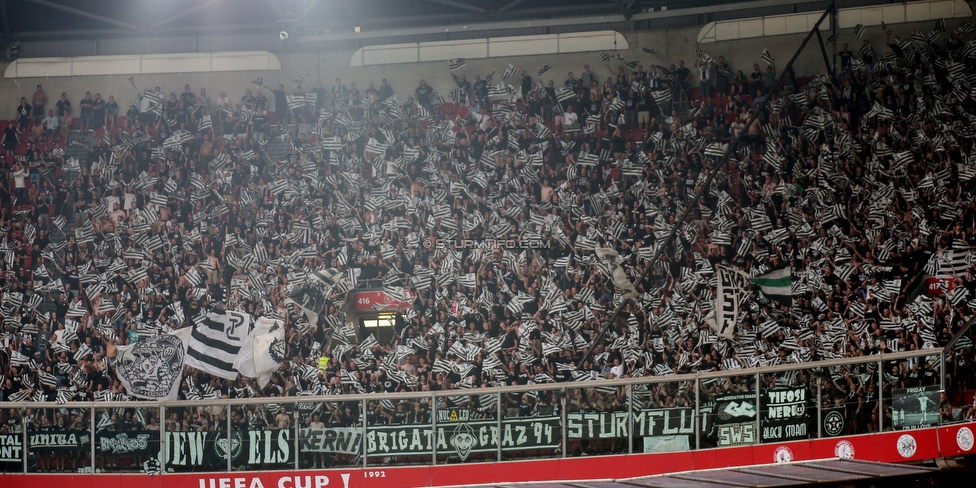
(122, 120)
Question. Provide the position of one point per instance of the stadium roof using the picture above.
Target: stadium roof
(79, 18)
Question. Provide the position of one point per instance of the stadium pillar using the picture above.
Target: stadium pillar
(23, 423)
(230, 467)
(630, 419)
(297, 433)
(697, 413)
(433, 427)
(162, 438)
(91, 425)
(881, 396)
(819, 407)
(758, 409)
(362, 410)
(823, 50)
(563, 413)
(498, 425)
(942, 370)
(833, 34)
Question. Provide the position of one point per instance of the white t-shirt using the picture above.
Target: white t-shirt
(19, 178)
(570, 118)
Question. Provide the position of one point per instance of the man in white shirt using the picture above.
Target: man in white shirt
(617, 370)
(705, 78)
(481, 118)
(50, 125)
(20, 183)
(570, 117)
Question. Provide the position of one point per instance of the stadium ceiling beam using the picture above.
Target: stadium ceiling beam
(185, 13)
(308, 8)
(625, 6)
(462, 6)
(6, 19)
(510, 5)
(82, 13)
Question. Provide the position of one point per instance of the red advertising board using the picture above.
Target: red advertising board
(379, 301)
(932, 285)
(889, 447)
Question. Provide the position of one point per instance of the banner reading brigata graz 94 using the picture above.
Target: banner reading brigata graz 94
(784, 414)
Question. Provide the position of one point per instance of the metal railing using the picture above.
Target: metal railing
(647, 414)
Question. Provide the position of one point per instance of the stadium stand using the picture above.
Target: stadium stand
(513, 215)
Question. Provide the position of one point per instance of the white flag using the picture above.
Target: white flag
(620, 280)
(269, 352)
(152, 369)
(248, 358)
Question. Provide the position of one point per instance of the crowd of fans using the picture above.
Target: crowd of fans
(500, 214)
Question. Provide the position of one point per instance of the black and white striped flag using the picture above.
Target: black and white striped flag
(698, 50)
(509, 72)
(205, 123)
(544, 69)
(859, 30)
(215, 342)
(767, 58)
(456, 63)
(940, 26)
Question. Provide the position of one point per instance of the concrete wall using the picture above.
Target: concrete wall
(324, 67)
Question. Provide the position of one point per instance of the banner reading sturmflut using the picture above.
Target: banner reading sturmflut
(647, 423)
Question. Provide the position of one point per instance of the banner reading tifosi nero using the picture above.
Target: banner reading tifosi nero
(734, 416)
(464, 438)
(647, 423)
(915, 408)
(132, 442)
(58, 441)
(784, 414)
(188, 451)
